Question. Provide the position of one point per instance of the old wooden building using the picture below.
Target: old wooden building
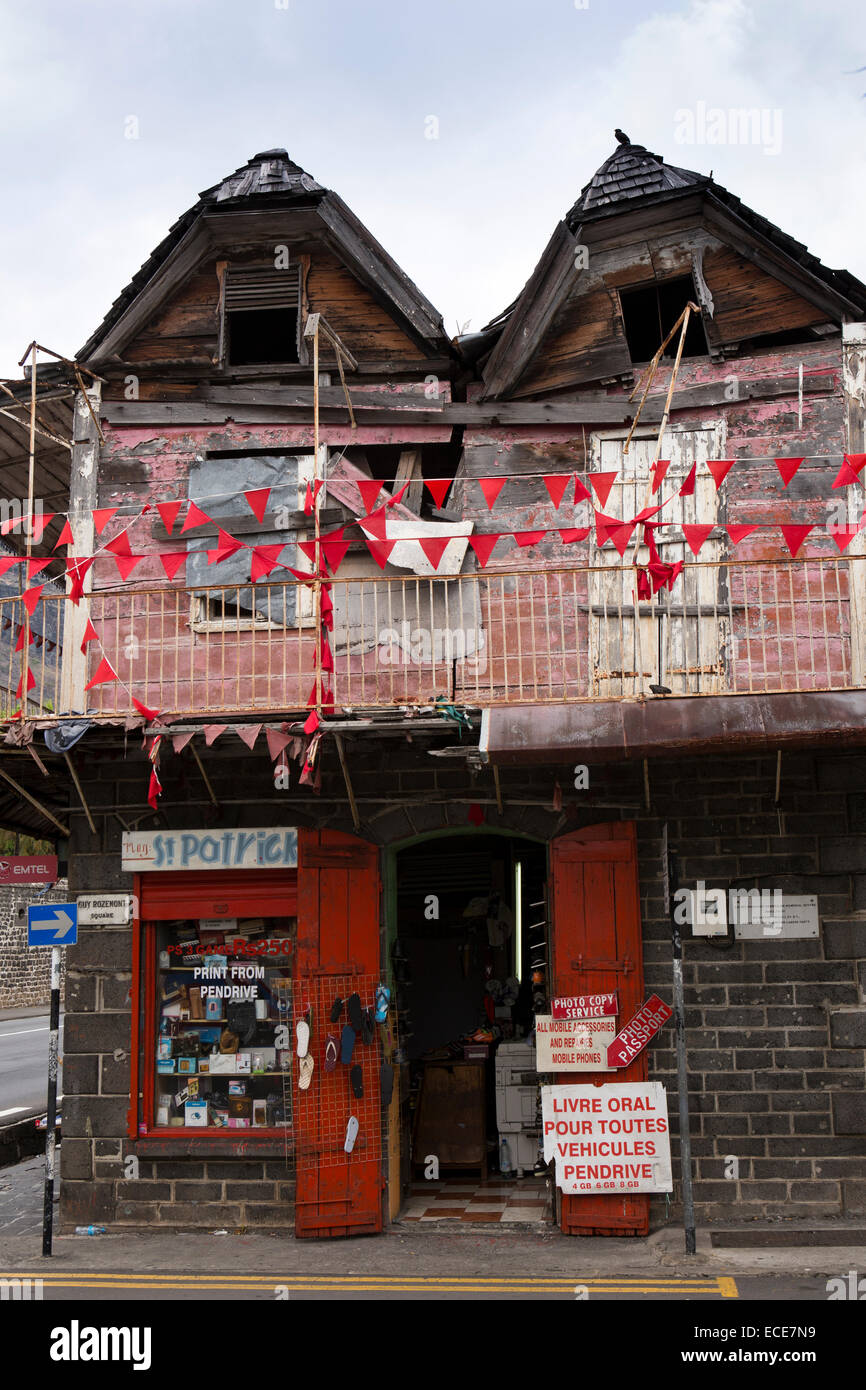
(406, 662)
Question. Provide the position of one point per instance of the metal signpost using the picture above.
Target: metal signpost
(54, 925)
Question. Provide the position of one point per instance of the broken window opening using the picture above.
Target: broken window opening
(262, 336)
(649, 312)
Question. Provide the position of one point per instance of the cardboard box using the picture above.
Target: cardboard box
(260, 1113)
(244, 1061)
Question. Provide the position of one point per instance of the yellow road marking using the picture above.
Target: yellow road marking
(723, 1287)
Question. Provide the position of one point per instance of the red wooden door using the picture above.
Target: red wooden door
(337, 1194)
(595, 947)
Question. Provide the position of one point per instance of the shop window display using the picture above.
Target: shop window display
(223, 1024)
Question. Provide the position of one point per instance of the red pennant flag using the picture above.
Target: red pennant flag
(369, 489)
(257, 499)
(855, 461)
(398, 496)
(264, 559)
(688, 486)
(843, 535)
(101, 518)
(154, 790)
(601, 485)
(333, 553)
(574, 533)
(738, 533)
(226, 546)
(647, 512)
(39, 524)
(846, 475)
(168, 511)
(90, 635)
(374, 524)
(172, 561)
(127, 563)
(195, 517)
(696, 535)
(581, 494)
(434, 548)
(212, 732)
(380, 550)
(66, 537)
(248, 733)
(556, 483)
(142, 708)
(308, 548)
(19, 645)
(475, 814)
(527, 538)
(311, 723)
(720, 468)
(491, 487)
(659, 469)
(7, 561)
(120, 545)
(76, 572)
(325, 654)
(34, 567)
(179, 741)
(795, 536)
(104, 673)
(30, 683)
(438, 489)
(31, 597)
(610, 528)
(787, 468)
(483, 546)
(277, 741)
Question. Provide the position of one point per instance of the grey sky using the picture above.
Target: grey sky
(526, 95)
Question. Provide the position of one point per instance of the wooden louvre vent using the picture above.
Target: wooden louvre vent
(261, 287)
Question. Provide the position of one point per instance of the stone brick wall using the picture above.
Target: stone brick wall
(775, 1029)
(25, 971)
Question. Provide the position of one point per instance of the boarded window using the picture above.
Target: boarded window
(217, 485)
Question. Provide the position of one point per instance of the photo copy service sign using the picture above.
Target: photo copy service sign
(611, 1138)
(572, 1044)
(164, 850)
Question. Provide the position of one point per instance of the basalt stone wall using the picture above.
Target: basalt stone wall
(775, 1029)
(25, 971)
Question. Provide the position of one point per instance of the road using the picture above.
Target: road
(23, 1065)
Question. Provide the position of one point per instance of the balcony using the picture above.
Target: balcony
(487, 639)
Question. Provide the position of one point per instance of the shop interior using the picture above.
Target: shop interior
(468, 953)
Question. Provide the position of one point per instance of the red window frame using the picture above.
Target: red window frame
(159, 898)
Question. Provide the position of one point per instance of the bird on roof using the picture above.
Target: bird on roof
(622, 137)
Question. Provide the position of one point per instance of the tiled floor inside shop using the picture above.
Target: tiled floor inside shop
(464, 1198)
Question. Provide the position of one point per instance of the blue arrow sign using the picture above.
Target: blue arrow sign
(52, 924)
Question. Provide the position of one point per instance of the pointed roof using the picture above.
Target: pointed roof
(632, 171)
(270, 171)
(271, 180)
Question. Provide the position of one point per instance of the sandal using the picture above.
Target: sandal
(305, 1072)
(351, 1134)
(356, 1076)
(383, 999)
(330, 1052)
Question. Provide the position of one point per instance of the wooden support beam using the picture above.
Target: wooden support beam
(204, 776)
(347, 779)
(37, 805)
(82, 798)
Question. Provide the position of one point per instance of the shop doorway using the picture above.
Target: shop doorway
(468, 947)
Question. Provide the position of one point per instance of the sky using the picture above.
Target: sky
(459, 132)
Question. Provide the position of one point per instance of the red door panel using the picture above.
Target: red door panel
(337, 1194)
(596, 947)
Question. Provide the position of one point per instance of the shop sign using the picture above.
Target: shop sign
(29, 868)
(611, 1138)
(634, 1037)
(585, 1005)
(165, 850)
(105, 910)
(572, 1044)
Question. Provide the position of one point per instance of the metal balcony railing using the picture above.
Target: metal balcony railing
(491, 638)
